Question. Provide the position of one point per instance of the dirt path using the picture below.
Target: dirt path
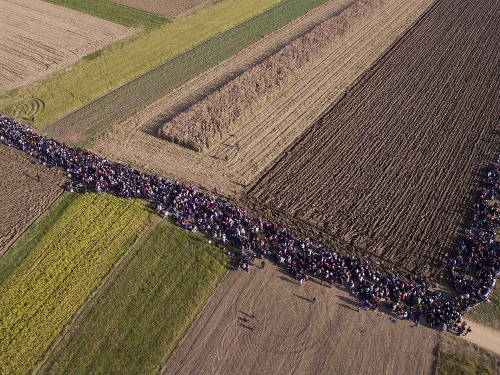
(276, 125)
(294, 335)
(484, 337)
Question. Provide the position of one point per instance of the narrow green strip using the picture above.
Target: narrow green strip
(140, 320)
(144, 90)
(114, 12)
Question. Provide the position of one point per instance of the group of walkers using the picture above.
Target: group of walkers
(473, 268)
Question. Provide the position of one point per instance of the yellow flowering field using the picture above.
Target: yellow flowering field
(69, 262)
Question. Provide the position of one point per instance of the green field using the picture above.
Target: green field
(488, 313)
(452, 363)
(128, 99)
(137, 323)
(85, 81)
(60, 262)
(114, 12)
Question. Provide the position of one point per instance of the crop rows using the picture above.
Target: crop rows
(207, 121)
(391, 167)
(121, 103)
(42, 294)
(139, 320)
(85, 81)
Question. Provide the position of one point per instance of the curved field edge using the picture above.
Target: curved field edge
(488, 313)
(116, 106)
(114, 12)
(138, 322)
(65, 263)
(85, 81)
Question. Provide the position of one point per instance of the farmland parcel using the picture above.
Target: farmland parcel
(166, 8)
(276, 125)
(39, 38)
(87, 80)
(41, 294)
(140, 319)
(27, 190)
(390, 170)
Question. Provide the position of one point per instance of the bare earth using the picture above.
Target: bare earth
(295, 336)
(166, 8)
(484, 337)
(392, 168)
(22, 198)
(38, 38)
(274, 127)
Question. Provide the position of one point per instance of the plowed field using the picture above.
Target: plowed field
(274, 127)
(166, 8)
(392, 167)
(38, 38)
(27, 190)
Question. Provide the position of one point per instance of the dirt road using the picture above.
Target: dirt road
(484, 337)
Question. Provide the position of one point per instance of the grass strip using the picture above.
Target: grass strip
(41, 294)
(114, 12)
(88, 79)
(142, 317)
(488, 313)
(130, 98)
(459, 364)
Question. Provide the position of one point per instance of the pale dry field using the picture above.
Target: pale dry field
(24, 197)
(295, 336)
(38, 38)
(266, 135)
(166, 8)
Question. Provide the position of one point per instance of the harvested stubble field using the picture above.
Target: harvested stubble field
(275, 126)
(87, 80)
(123, 102)
(392, 167)
(166, 8)
(208, 121)
(38, 38)
(27, 190)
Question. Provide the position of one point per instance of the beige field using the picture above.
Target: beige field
(166, 8)
(295, 336)
(24, 197)
(38, 38)
(262, 138)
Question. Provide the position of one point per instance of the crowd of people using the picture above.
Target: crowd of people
(472, 267)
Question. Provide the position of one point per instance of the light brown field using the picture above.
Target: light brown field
(392, 168)
(295, 336)
(23, 199)
(166, 8)
(275, 126)
(38, 38)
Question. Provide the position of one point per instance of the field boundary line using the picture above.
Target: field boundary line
(328, 236)
(71, 328)
(35, 221)
(195, 320)
(365, 75)
(160, 65)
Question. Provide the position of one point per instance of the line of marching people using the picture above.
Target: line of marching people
(473, 267)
